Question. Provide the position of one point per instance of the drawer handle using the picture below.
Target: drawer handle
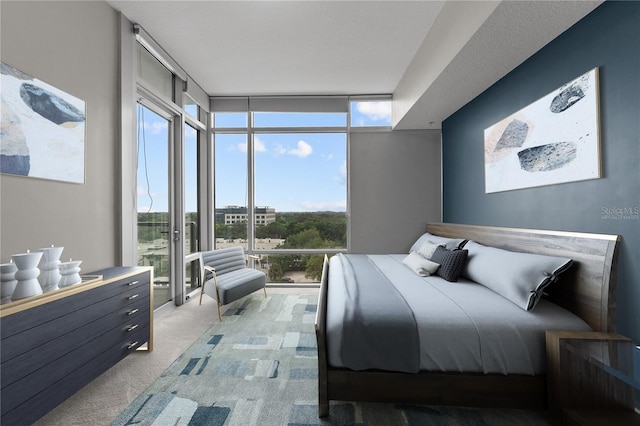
(132, 345)
(133, 311)
(133, 327)
(132, 283)
(132, 297)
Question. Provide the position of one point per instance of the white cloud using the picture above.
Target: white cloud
(343, 173)
(320, 206)
(303, 150)
(327, 157)
(258, 146)
(280, 150)
(142, 192)
(148, 198)
(159, 127)
(155, 127)
(375, 110)
(190, 132)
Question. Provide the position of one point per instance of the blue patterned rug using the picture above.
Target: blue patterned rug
(259, 367)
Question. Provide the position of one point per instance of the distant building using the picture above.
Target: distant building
(237, 214)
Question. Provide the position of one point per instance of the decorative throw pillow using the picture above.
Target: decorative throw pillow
(450, 243)
(519, 277)
(420, 265)
(451, 262)
(426, 250)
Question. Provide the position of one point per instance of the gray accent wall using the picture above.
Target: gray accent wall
(395, 188)
(607, 38)
(73, 46)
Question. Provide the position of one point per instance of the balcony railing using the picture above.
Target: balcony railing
(287, 267)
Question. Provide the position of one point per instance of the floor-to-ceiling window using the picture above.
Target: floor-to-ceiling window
(281, 183)
(281, 177)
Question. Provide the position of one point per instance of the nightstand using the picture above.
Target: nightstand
(591, 378)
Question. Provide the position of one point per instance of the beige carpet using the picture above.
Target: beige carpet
(175, 329)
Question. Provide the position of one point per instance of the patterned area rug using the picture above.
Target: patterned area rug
(259, 367)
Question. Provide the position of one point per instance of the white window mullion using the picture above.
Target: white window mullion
(251, 228)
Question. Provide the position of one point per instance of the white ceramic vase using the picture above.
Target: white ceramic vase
(50, 268)
(70, 272)
(27, 275)
(7, 281)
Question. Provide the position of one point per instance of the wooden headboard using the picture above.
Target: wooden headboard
(588, 288)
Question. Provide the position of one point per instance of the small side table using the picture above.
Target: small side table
(591, 377)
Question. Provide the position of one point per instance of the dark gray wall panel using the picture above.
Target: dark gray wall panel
(607, 38)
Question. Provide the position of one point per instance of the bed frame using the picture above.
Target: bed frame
(587, 289)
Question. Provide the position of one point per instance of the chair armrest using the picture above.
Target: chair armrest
(254, 258)
(209, 268)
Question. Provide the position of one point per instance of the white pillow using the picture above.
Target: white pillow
(427, 249)
(450, 243)
(420, 265)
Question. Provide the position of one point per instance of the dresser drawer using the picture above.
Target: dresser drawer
(33, 338)
(30, 410)
(135, 315)
(21, 321)
(29, 385)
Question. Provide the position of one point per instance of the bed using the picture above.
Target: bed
(460, 368)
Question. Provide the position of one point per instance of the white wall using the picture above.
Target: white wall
(395, 188)
(74, 47)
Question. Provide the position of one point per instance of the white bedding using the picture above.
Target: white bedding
(463, 326)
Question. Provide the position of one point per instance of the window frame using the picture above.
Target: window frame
(296, 130)
(307, 106)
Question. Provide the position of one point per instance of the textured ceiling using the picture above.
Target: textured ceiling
(355, 47)
(290, 47)
(513, 32)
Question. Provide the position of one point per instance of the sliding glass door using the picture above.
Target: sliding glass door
(153, 200)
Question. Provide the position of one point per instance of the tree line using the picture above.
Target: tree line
(316, 230)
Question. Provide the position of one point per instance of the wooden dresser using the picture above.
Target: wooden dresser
(55, 343)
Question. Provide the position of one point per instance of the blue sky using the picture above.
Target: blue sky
(153, 155)
(293, 171)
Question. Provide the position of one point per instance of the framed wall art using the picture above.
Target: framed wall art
(553, 140)
(42, 128)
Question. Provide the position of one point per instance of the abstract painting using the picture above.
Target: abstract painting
(553, 140)
(42, 129)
